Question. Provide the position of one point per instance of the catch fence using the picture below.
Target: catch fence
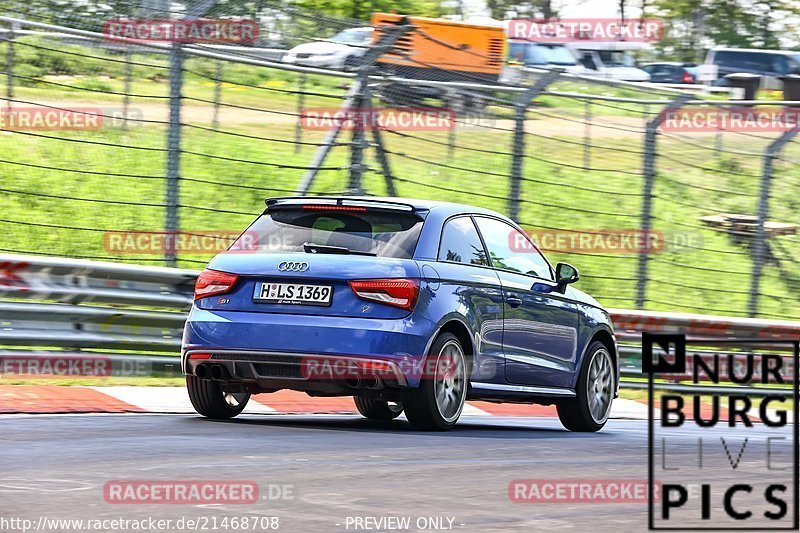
(193, 137)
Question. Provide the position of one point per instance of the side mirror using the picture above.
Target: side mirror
(566, 274)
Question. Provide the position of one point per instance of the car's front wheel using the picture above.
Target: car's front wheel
(437, 403)
(211, 400)
(589, 409)
(378, 409)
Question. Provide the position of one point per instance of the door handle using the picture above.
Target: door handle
(513, 301)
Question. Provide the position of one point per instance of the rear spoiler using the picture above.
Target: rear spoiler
(377, 204)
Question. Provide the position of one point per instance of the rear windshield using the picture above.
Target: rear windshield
(288, 230)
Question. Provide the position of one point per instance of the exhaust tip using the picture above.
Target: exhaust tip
(216, 372)
(372, 382)
(201, 371)
(353, 381)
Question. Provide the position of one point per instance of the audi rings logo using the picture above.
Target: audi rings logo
(293, 266)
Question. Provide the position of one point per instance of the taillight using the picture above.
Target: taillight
(211, 282)
(324, 207)
(400, 292)
(687, 78)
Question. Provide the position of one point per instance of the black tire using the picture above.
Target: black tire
(576, 413)
(208, 399)
(420, 404)
(377, 409)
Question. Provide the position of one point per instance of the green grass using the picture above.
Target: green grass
(684, 279)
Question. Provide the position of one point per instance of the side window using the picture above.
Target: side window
(461, 244)
(510, 249)
(780, 65)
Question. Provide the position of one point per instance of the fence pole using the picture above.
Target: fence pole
(128, 77)
(451, 138)
(10, 65)
(173, 151)
(384, 44)
(301, 104)
(649, 171)
(521, 104)
(358, 141)
(587, 134)
(380, 149)
(760, 241)
(217, 95)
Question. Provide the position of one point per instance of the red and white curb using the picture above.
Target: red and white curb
(74, 399)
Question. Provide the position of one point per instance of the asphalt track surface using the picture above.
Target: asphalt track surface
(339, 468)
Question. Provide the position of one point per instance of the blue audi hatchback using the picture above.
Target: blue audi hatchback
(407, 305)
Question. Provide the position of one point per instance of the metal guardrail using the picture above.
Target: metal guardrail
(134, 315)
(92, 305)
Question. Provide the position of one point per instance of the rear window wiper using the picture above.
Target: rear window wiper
(311, 248)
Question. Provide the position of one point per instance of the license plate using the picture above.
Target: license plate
(293, 294)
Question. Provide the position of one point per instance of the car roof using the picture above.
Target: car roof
(756, 50)
(416, 203)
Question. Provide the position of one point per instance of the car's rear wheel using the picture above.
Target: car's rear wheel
(589, 409)
(212, 400)
(378, 409)
(437, 403)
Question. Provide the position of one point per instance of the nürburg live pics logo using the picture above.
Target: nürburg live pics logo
(722, 433)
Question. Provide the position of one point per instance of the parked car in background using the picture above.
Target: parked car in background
(769, 64)
(608, 63)
(671, 72)
(339, 51)
(543, 55)
(407, 305)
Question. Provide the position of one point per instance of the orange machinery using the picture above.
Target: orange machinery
(443, 49)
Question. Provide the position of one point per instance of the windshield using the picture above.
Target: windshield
(288, 230)
(352, 36)
(541, 54)
(555, 54)
(616, 58)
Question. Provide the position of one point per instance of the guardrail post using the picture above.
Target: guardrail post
(128, 76)
(10, 65)
(217, 94)
(521, 104)
(301, 104)
(649, 171)
(173, 152)
(760, 241)
(384, 44)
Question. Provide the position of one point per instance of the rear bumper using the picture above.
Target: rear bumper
(313, 373)
(271, 346)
